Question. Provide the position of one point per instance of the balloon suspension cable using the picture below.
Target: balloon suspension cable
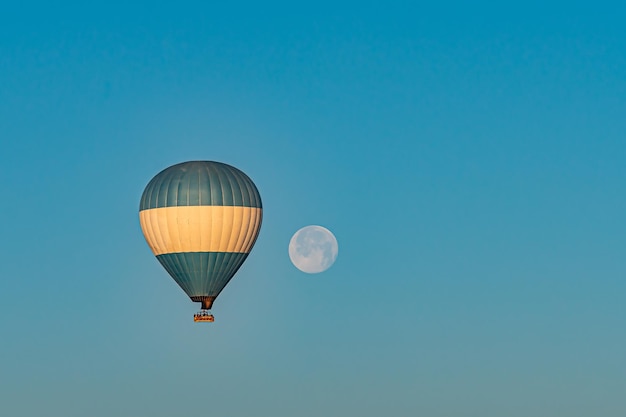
(204, 316)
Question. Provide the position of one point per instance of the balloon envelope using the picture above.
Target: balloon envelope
(201, 219)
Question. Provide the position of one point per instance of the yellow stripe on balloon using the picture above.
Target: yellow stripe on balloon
(200, 228)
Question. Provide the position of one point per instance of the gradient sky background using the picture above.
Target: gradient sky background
(468, 158)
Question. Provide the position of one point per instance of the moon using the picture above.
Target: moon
(313, 249)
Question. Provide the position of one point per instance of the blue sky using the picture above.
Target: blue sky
(469, 160)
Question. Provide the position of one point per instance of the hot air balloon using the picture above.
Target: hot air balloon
(201, 219)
